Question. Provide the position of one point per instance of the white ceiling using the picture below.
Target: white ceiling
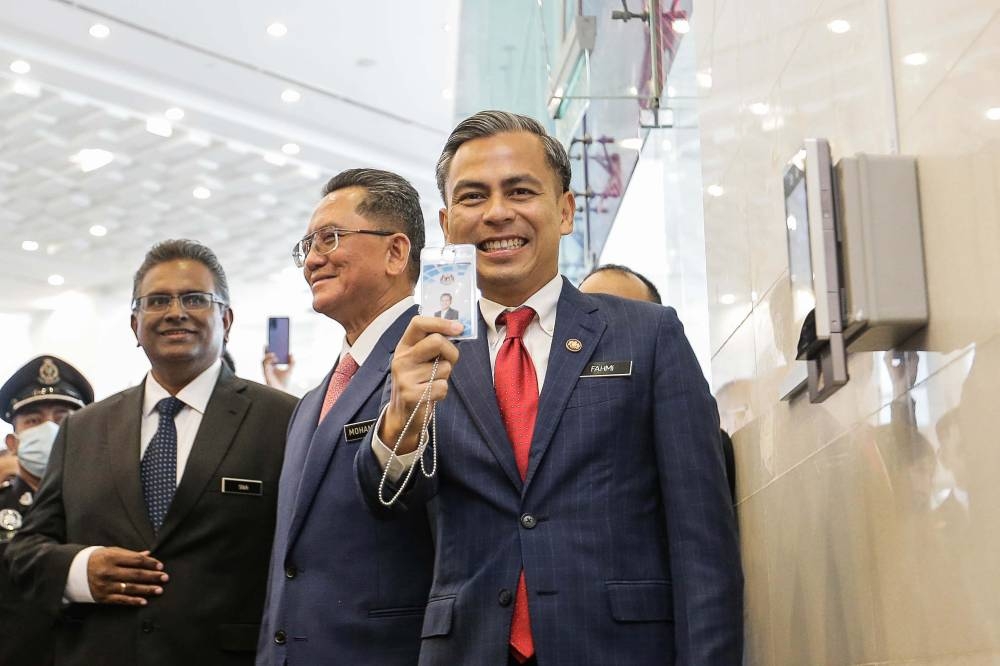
(375, 81)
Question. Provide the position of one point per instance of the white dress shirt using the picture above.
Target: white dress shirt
(537, 340)
(363, 346)
(195, 397)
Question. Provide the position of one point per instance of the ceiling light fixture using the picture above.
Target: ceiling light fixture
(27, 88)
(91, 159)
(838, 26)
(174, 113)
(291, 149)
(275, 159)
(99, 31)
(201, 192)
(715, 190)
(159, 127)
(20, 67)
(277, 30)
(681, 26)
(29, 245)
(727, 299)
(99, 230)
(290, 96)
(993, 113)
(915, 59)
(56, 280)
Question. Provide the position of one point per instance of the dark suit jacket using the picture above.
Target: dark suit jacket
(344, 587)
(624, 525)
(214, 545)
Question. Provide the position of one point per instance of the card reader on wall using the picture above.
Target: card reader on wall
(878, 216)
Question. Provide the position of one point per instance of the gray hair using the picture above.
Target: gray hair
(390, 200)
(178, 249)
(489, 123)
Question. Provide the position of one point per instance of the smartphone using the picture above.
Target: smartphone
(277, 338)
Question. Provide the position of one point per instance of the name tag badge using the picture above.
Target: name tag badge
(355, 431)
(608, 369)
(242, 486)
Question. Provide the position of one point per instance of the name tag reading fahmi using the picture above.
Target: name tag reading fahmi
(242, 486)
(355, 431)
(608, 369)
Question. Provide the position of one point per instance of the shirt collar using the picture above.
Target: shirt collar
(544, 302)
(195, 395)
(363, 346)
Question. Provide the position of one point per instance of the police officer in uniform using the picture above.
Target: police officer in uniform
(34, 401)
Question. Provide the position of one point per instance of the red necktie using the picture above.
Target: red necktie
(338, 382)
(517, 396)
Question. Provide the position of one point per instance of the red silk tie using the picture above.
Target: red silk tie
(338, 383)
(516, 387)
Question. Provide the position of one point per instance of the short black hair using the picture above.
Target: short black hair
(389, 200)
(654, 294)
(177, 249)
(490, 123)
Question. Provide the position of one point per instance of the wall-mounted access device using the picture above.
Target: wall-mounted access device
(855, 256)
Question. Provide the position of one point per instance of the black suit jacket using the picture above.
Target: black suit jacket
(214, 545)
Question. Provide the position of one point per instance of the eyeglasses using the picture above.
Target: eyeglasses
(326, 240)
(191, 301)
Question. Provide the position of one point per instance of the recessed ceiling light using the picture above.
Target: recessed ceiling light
(715, 190)
(27, 88)
(56, 280)
(201, 192)
(99, 31)
(632, 90)
(290, 95)
(277, 29)
(727, 299)
(681, 26)
(290, 149)
(29, 246)
(174, 113)
(915, 59)
(91, 159)
(98, 230)
(631, 143)
(20, 67)
(993, 113)
(838, 26)
(275, 159)
(759, 108)
(159, 127)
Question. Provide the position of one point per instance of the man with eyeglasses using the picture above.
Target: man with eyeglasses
(152, 528)
(344, 586)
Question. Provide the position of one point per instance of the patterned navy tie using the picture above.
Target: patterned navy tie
(159, 466)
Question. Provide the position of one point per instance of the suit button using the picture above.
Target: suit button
(528, 521)
(147, 627)
(280, 637)
(291, 572)
(505, 597)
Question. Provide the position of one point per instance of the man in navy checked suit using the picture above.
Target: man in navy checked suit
(621, 523)
(345, 587)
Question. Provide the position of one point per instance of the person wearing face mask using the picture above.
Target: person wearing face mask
(35, 400)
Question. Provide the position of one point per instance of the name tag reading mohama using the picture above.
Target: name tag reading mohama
(355, 431)
(242, 486)
(608, 369)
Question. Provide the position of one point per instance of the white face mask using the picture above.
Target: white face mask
(35, 445)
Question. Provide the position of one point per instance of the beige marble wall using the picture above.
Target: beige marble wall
(869, 522)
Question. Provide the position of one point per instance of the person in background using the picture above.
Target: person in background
(35, 400)
(344, 586)
(582, 514)
(152, 528)
(276, 374)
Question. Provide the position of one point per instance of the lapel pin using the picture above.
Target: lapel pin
(574, 345)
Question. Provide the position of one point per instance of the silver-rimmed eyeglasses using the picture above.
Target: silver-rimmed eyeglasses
(191, 301)
(326, 240)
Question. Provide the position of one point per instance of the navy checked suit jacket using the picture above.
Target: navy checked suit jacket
(630, 552)
(344, 587)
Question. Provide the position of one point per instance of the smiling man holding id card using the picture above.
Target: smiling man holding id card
(584, 516)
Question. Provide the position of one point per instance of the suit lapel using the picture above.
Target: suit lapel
(223, 415)
(472, 380)
(330, 433)
(575, 319)
(123, 449)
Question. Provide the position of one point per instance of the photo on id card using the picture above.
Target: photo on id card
(447, 287)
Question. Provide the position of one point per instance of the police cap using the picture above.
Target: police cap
(44, 379)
